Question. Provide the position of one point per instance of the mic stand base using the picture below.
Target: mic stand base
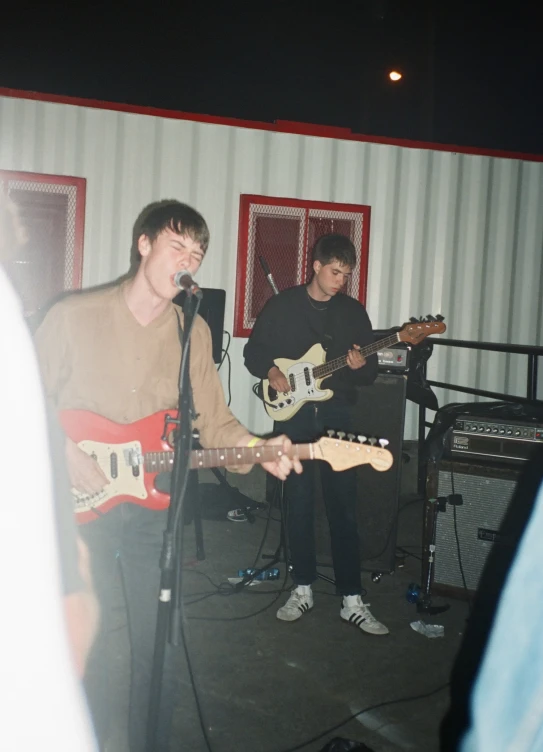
(424, 606)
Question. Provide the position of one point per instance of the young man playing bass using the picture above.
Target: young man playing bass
(289, 324)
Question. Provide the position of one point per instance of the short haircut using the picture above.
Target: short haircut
(173, 215)
(335, 246)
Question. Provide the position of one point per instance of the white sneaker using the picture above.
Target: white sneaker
(358, 613)
(300, 601)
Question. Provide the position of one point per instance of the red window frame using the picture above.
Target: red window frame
(75, 191)
(254, 206)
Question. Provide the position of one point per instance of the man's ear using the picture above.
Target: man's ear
(317, 266)
(144, 245)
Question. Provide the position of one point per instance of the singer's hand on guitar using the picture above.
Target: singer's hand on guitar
(284, 464)
(278, 380)
(355, 359)
(85, 473)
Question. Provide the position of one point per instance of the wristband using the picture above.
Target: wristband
(254, 441)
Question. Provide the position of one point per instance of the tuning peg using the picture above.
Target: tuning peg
(361, 439)
(384, 442)
(414, 320)
(330, 433)
(430, 317)
(439, 317)
(372, 440)
(350, 436)
(341, 434)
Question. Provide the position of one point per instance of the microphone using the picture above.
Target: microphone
(184, 281)
(267, 272)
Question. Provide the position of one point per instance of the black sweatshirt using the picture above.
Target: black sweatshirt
(289, 324)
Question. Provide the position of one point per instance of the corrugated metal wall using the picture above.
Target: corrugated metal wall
(455, 234)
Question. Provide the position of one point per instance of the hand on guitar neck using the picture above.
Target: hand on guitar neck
(355, 359)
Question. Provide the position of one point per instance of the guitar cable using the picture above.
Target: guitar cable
(322, 734)
(226, 355)
(457, 540)
(227, 589)
(258, 391)
(225, 349)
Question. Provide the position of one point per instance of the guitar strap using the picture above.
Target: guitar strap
(193, 412)
(329, 328)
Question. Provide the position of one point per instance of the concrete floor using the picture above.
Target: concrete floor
(268, 686)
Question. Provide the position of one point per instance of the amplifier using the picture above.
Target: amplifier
(494, 439)
(394, 359)
(466, 534)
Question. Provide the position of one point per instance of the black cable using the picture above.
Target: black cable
(240, 618)
(192, 678)
(393, 524)
(226, 355)
(228, 589)
(391, 528)
(225, 350)
(384, 704)
(257, 391)
(460, 565)
(408, 503)
(229, 379)
(257, 570)
(408, 553)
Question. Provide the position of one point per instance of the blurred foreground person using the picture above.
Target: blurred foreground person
(50, 613)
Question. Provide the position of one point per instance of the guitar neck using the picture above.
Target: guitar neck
(157, 462)
(326, 369)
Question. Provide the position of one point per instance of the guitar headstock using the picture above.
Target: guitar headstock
(357, 450)
(418, 329)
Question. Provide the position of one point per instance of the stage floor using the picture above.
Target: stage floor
(269, 686)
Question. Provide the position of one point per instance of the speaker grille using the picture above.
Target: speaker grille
(486, 500)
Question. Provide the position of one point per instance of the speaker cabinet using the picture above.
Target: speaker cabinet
(463, 545)
(379, 411)
(212, 311)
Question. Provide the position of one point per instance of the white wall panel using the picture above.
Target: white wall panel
(451, 233)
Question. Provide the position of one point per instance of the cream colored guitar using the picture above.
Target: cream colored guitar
(306, 375)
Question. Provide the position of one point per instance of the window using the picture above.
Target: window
(283, 232)
(52, 210)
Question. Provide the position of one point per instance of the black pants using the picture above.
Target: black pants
(129, 536)
(340, 499)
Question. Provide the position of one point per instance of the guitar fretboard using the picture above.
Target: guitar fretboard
(157, 462)
(319, 372)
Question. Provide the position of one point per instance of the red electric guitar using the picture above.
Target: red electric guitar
(131, 456)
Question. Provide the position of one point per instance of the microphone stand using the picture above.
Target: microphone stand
(168, 625)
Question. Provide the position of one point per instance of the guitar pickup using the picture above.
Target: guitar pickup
(292, 382)
(114, 465)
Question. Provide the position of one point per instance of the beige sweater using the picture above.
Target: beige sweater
(95, 356)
